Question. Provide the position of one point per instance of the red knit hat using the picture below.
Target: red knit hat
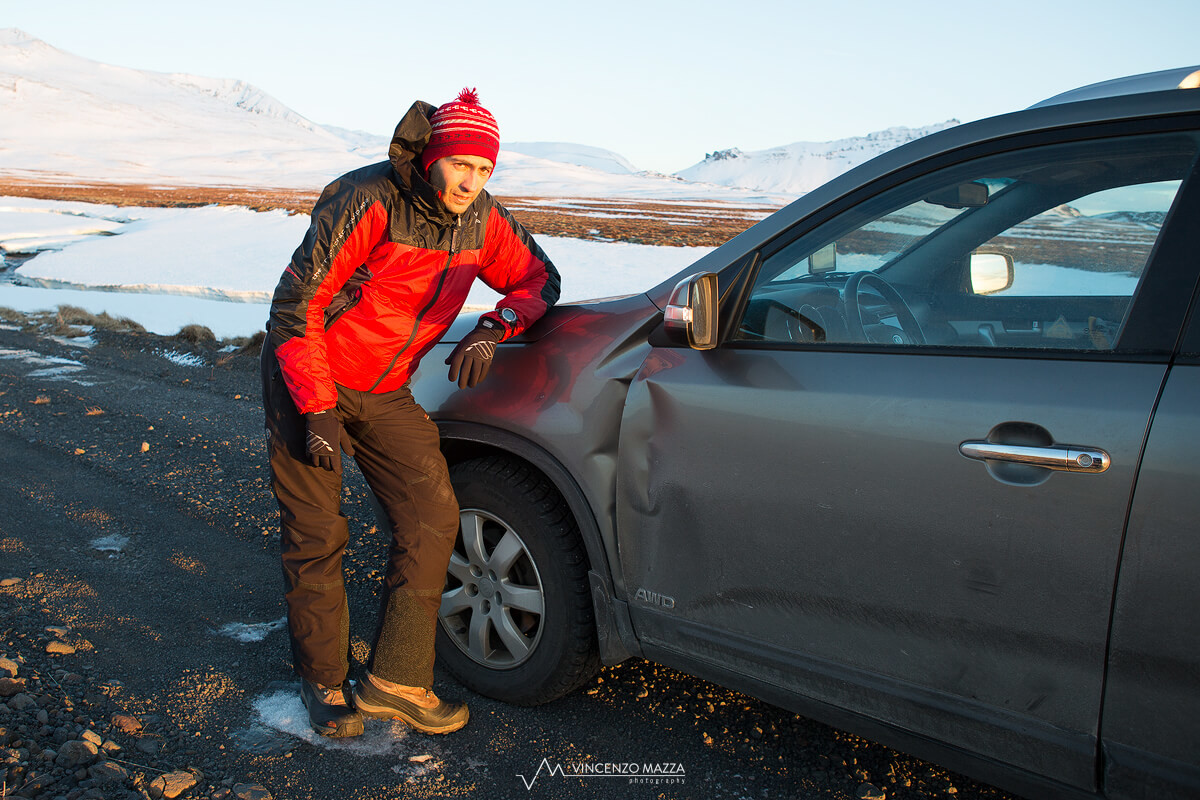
(462, 128)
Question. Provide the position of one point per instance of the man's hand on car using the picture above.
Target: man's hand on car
(470, 360)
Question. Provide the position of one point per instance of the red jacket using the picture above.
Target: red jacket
(385, 268)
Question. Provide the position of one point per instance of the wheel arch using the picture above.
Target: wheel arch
(462, 441)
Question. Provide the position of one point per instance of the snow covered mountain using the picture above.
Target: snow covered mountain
(63, 116)
(801, 167)
(577, 154)
(66, 118)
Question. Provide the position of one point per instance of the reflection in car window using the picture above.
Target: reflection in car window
(881, 240)
(1040, 248)
(1096, 245)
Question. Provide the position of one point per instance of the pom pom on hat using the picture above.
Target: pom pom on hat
(462, 127)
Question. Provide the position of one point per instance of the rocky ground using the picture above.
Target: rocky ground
(63, 733)
(140, 639)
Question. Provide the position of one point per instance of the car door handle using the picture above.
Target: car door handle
(1068, 458)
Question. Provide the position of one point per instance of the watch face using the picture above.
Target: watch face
(508, 315)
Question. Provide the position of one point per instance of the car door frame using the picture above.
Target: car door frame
(1150, 713)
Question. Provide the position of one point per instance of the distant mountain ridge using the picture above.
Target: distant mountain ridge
(580, 155)
(64, 117)
(800, 167)
(242, 95)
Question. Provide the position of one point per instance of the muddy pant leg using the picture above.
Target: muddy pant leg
(313, 536)
(397, 448)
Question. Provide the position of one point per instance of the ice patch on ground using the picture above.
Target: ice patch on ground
(86, 341)
(252, 631)
(58, 373)
(110, 544)
(32, 357)
(52, 367)
(182, 359)
(281, 710)
(416, 767)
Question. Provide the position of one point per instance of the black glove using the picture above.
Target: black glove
(470, 360)
(324, 434)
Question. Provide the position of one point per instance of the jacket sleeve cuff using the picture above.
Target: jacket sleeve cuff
(492, 321)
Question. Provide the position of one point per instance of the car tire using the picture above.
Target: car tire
(516, 622)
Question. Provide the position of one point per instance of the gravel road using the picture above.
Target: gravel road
(141, 650)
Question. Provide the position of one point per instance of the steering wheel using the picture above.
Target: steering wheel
(853, 309)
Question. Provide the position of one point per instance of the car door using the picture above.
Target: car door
(899, 486)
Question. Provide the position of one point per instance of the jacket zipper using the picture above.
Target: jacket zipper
(421, 314)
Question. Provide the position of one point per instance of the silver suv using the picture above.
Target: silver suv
(913, 456)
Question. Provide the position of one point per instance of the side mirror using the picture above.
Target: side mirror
(690, 317)
(824, 260)
(991, 272)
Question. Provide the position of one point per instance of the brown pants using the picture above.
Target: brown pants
(396, 447)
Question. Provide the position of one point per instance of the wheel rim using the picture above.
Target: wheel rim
(493, 603)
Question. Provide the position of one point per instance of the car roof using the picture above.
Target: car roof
(1177, 78)
(1065, 114)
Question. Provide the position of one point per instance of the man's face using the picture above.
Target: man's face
(459, 180)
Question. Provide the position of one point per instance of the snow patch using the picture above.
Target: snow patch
(252, 631)
(114, 543)
(283, 711)
(417, 767)
(86, 341)
(165, 250)
(51, 367)
(182, 359)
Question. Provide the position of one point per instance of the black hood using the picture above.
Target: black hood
(410, 138)
(408, 142)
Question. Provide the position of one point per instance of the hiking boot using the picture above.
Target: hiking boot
(330, 710)
(420, 708)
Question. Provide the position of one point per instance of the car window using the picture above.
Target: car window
(1040, 248)
(1102, 243)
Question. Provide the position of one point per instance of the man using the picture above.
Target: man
(382, 272)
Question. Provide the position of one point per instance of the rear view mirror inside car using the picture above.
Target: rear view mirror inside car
(964, 195)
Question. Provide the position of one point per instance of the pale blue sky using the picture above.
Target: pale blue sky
(661, 83)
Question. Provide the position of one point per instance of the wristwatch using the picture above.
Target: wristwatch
(508, 317)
